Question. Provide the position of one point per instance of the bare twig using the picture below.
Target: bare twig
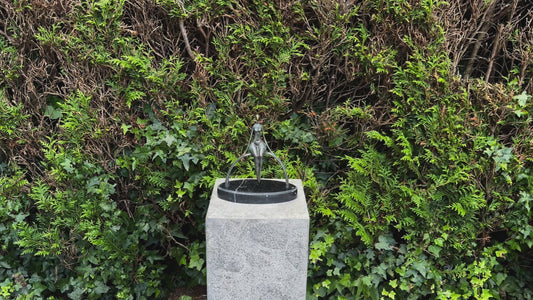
(173, 239)
(481, 35)
(495, 50)
(186, 39)
(184, 33)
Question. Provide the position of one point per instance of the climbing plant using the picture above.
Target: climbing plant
(408, 121)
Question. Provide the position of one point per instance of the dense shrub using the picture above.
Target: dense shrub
(409, 122)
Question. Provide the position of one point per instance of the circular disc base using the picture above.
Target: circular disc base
(251, 191)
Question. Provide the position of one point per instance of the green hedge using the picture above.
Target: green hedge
(410, 127)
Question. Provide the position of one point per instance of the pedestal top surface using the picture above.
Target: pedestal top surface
(294, 209)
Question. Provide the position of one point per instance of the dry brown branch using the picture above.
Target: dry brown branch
(186, 39)
(480, 37)
(495, 49)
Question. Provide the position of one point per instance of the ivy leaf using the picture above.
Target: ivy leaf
(196, 262)
(5, 265)
(125, 128)
(385, 242)
(346, 280)
(77, 293)
(393, 283)
(106, 206)
(157, 126)
(159, 153)
(421, 267)
(435, 250)
(100, 288)
(525, 200)
(20, 217)
(67, 165)
(499, 278)
(92, 185)
(53, 113)
(169, 139)
(520, 113)
(185, 159)
(522, 98)
(502, 157)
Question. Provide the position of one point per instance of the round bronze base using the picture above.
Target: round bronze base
(251, 191)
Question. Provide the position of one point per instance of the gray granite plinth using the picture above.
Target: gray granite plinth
(257, 251)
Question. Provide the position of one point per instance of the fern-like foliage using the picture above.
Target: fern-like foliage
(367, 204)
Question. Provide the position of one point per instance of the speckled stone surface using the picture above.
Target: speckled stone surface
(257, 251)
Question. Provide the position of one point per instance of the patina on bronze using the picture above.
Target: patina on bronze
(258, 190)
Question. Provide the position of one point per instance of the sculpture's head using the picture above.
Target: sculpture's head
(257, 128)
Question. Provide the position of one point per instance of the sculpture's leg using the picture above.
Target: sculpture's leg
(258, 161)
(282, 166)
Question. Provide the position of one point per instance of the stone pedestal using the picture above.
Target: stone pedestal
(257, 251)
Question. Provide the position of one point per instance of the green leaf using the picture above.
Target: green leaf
(4, 265)
(53, 113)
(393, 283)
(421, 267)
(380, 137)
(385, 242)
(76, 294)
(169, 139)
(20, 217)
(125, 128)
(435, 250)
(346, 280)
(185, 159)
(499, 278)
(100, 288)
(92, 185)
(196, 262)
(522, 98)
(67, 165)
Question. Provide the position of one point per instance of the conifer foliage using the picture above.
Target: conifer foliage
(410, 122)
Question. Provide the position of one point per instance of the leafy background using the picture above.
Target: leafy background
(409, 121)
